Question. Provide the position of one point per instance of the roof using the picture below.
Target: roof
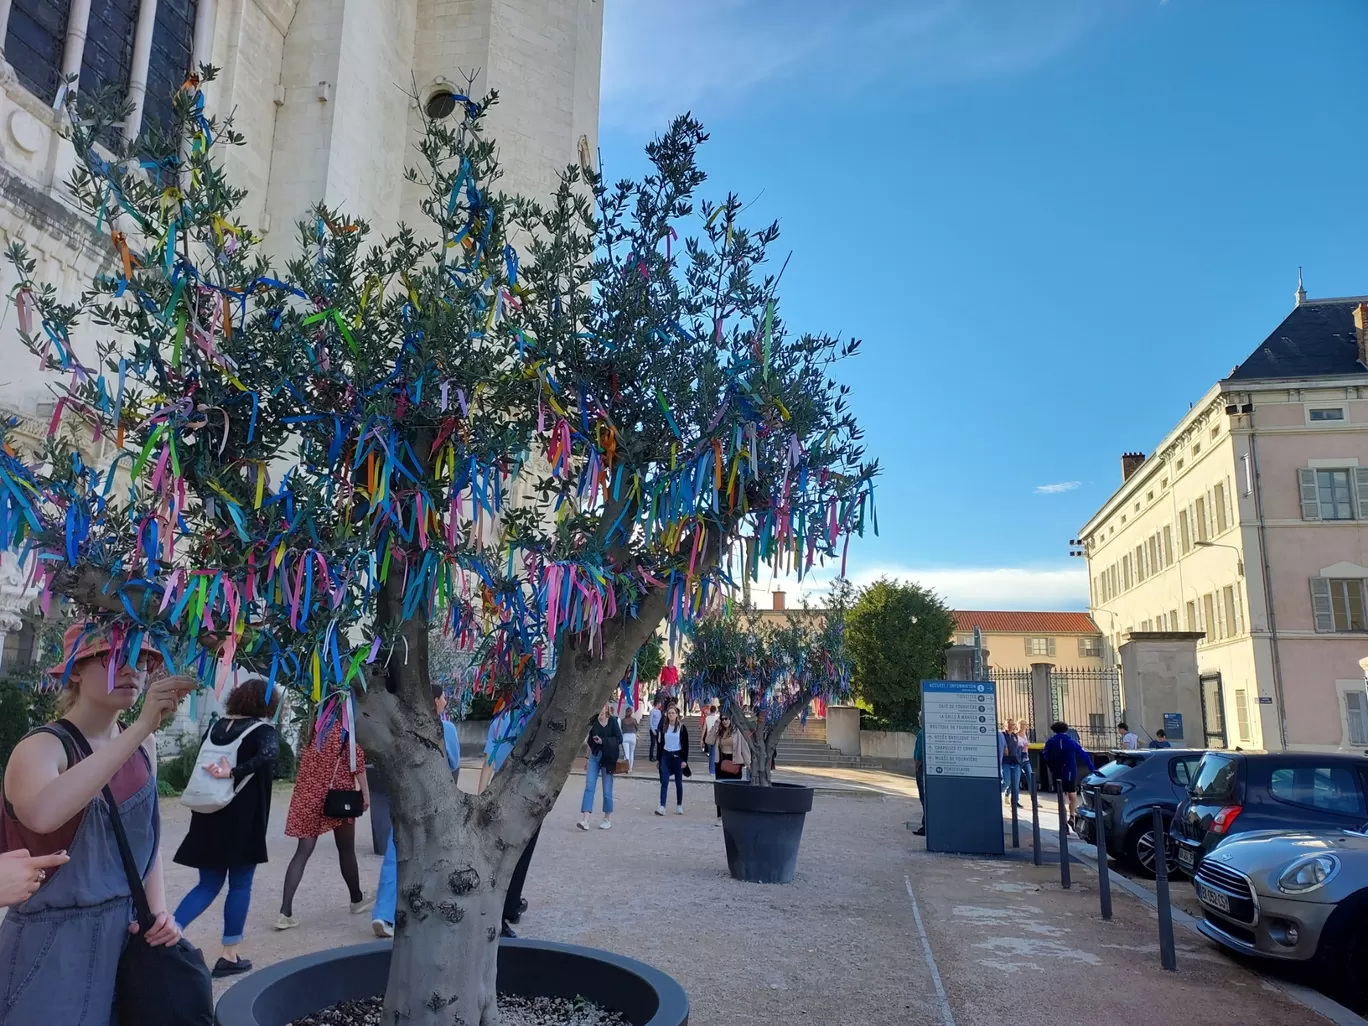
(1316, 339)
(1025, 622)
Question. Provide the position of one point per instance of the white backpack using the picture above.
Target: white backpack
(205, 793)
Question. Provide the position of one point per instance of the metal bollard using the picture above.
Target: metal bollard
(1103, 872)
(1167, 958)
(1063, 836)
(1016, 828)
(1035, 822)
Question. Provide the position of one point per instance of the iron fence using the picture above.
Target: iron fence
(1089, 701)
(1015, 695)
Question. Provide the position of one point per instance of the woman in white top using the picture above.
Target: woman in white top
(630, 723)
(672, 742)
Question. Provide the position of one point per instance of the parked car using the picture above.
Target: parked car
(1125, 791)
(1299, 897)
(1240, 792)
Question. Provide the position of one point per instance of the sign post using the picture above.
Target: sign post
(963, 751)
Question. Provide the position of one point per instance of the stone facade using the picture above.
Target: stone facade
(324, 92)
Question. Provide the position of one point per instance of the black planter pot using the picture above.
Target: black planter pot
(762, 828)
(298, 986)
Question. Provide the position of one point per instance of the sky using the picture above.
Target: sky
(1053, 224)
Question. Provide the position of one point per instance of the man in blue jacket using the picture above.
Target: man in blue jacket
(1063, 755)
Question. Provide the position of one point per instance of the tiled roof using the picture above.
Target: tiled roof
(1315, 340)
(1025, 622)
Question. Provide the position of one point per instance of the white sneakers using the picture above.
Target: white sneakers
(660, 811)
(679, 810)
(381, 928)
(582, 825)
(606, 825)
(364, 905)
(286, 922)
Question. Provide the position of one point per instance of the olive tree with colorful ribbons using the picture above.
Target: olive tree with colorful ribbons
(542, 452)
(766, 671)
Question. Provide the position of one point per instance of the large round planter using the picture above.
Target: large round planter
(296, 987)
(762, 828)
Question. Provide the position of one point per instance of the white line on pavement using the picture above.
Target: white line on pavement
(947, 1017)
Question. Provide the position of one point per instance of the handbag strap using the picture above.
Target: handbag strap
(141, 908)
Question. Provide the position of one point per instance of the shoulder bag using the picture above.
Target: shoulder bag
(341, 802)
(155, 985)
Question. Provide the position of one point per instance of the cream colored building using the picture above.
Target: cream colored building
(321, 90)
(1020, 638)
(1249, 523)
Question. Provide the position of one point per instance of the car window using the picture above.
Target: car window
(1181, 771)
(1215, 780)
(1119, 765)
(1328, 788)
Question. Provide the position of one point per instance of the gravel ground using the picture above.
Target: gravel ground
(514, 1011)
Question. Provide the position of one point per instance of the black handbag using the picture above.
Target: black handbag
(155, 985)
(339, 802)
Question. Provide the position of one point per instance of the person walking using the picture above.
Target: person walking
(335, 764)
(657, 714)
(387, 888)
(711, 719)
(1063, 755)
(919, 772)
(62, 944)
(1024, 743)
(630, 726)
(733, 752)
(230, 843)
(1011, 762)
(605, 745)
(672, 742)
(503, 735)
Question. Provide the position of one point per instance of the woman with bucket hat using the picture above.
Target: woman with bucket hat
(63, 944)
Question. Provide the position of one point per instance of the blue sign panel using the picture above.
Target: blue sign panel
(962, 771)
(1173, 726)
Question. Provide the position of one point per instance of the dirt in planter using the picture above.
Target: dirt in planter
(514, 1011)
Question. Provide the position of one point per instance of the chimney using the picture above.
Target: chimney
(1301, 289)
(1361, 331)
(1130, 463)
(778, 600)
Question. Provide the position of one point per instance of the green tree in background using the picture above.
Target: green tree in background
(896, 633)
(650, 659)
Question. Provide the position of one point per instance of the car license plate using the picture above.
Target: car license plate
(1186, 859)
(1214, 898)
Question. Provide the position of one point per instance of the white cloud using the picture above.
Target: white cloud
(1055, 489)
(662, 57)
(1042, 588)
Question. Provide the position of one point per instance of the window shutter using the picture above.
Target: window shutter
(1356, 712)
(1321, 609)
(1239, 613)
(1050, 645)
(1028, 647)
(1183, 537)
(1361, 491)
(1310, 499)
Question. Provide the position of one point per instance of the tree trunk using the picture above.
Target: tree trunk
(444, 970)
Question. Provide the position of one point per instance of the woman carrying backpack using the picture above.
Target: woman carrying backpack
(238, 753)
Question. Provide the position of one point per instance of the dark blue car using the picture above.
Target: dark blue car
(1236, 792)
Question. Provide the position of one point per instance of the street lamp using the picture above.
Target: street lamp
(1239, 558)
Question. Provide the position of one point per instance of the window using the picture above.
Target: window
(1168, 545)
(1334, 493)
(1232, 619)
(1332, 488)
(1149, 496)
(1173, 620)
(1180, 464)
(1089, 646)
(1242, 723)
(1215, 430)
(1338, 605)
(1209, 622)
(1222, 521)
(173, 41)
(1040, 646)
(1333, 789)
(1322, 414)
(34, 41)
(1126, 571)
(1155, 554)
(1199, 517)
(964, 639)
(1184, 538)
(1215, 779)
(107, 59)
(1192, 617)
(1356, 715)
(1196, 448)
(1182, 771)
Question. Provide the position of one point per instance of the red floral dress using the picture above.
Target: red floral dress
(321, 769)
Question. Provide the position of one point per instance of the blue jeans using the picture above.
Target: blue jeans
(235, 906)
(592, 771)
(1011, 780)
(712, 756)
(671, 765)
(387, 890)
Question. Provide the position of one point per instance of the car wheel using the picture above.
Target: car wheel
(1343, 952)
(1140, 850)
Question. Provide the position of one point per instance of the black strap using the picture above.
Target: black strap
(141, 908)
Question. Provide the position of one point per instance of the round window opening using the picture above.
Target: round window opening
(441, 103)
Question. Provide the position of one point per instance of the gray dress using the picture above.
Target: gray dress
(59, 951)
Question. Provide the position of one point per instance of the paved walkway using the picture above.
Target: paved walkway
(873, 932)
